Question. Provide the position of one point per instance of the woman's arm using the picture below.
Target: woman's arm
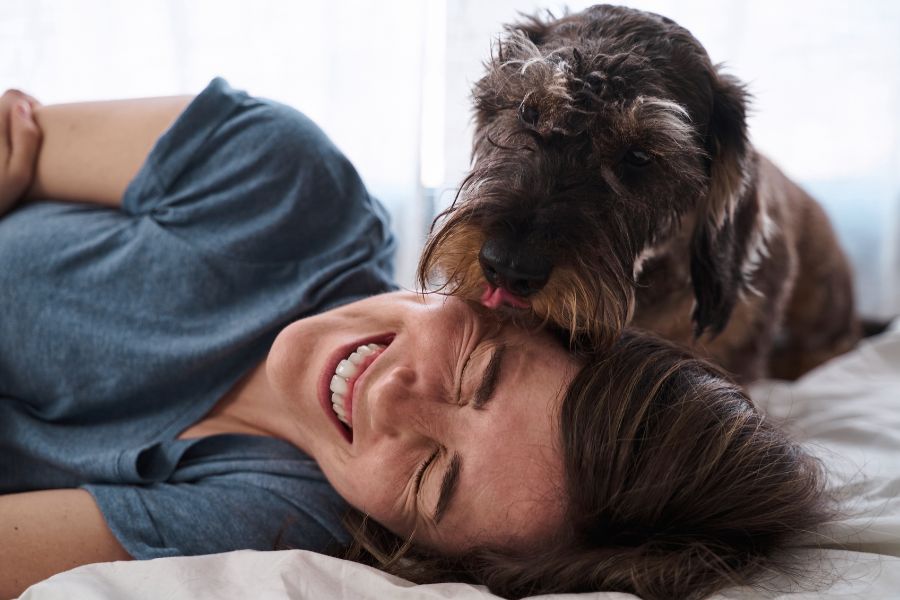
(48, 532)
(20, 140)
(87, 151)
(92, 150)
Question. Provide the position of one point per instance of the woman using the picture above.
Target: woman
(159, 397)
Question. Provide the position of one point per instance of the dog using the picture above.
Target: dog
(613, 184)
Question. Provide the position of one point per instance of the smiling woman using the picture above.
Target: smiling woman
(212, 362)
(456, 414)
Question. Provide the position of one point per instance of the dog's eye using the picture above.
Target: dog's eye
(529, 114)
(636, 157)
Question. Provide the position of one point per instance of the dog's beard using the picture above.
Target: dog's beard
(449, 261)
(586, 305)
(589, 299)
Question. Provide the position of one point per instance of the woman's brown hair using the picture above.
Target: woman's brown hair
(676, 486)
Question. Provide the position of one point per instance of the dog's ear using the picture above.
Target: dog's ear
(718, 248)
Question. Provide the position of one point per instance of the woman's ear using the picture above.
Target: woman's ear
(717, 249)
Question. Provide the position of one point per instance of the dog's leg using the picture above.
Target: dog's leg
(820, 321)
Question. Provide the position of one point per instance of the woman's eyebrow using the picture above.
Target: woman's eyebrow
(448, 486)
(488, 385)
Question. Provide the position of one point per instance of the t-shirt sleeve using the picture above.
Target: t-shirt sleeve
(256, 181)
(222, 513)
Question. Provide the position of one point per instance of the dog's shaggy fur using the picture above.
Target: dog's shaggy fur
(613, 183)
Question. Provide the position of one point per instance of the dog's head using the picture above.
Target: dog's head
(598, 136)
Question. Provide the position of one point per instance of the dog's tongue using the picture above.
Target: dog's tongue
(494, 297)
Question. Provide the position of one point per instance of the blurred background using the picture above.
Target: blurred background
(389, 81)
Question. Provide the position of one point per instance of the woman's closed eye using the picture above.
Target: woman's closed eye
(462, 376)
(420, 480)
(420, 472)
(444, 486)
(490, 375)
(484, 391)
(423, 467)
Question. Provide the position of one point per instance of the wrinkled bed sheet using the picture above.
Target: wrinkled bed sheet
(848, 410)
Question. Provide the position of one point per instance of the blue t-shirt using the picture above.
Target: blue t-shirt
(121, 328)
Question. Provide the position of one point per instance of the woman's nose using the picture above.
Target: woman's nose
(396, 404)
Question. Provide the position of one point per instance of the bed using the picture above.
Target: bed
(848, 411)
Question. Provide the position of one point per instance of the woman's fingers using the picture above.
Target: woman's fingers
(25, 139)
(7, 101)
(20, 139)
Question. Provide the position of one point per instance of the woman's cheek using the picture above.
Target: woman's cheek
(382, 493)
(361, 484)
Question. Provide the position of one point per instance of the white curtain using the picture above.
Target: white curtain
(825, 75)
(354, 66)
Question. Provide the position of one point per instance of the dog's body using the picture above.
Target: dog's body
(613, 183)
(797, 309)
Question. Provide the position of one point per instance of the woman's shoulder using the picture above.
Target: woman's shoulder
(256, 181)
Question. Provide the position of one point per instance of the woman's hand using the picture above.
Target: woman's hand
(20, 140)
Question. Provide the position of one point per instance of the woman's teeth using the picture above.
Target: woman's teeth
(346, 372)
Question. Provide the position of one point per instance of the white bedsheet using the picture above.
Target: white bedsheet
(848, 410)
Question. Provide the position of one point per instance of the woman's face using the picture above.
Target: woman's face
(453, 419)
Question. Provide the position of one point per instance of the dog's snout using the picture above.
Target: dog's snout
(514, 267)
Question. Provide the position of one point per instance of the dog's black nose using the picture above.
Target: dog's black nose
(514, 267)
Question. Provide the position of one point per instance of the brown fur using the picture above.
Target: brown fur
(609, 146)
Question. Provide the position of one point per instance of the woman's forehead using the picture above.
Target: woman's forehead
(510, 491)
(511, 480)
